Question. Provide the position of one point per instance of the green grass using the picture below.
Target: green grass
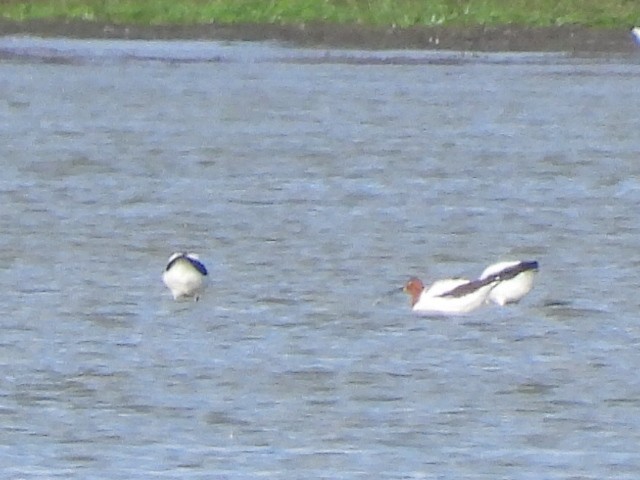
(400, 13)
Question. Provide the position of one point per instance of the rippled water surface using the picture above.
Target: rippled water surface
(312, 183)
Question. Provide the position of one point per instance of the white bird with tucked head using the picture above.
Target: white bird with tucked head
(516, 280)
(185, 275)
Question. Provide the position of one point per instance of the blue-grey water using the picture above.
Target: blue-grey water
(311, 183)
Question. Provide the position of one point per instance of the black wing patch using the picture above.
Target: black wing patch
(517, 269)
(172, 262)
(470, 287)
(198, 265)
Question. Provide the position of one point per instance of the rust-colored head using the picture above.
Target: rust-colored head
(414, 288)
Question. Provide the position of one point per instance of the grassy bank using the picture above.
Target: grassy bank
(399, 13)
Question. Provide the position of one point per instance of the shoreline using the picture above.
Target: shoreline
(508, 38)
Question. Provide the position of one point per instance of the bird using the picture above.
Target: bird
(635, 32)
(516, 280)
(451, 295)
(185, 275)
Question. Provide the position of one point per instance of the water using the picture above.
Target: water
(312, 182)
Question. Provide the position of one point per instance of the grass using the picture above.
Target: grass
(399, 13)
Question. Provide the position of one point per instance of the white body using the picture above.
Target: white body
(635, 31)
(431, 299)
(512, 290)
(183, 278)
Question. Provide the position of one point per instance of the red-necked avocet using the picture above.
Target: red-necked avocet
(516, 280)
(449, 296)
(185, 275)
